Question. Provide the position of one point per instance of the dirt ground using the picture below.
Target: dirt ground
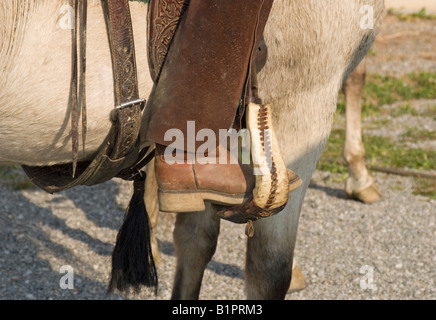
(411, 5)
(403, 47)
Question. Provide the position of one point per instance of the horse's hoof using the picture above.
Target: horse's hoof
(298, 281)
(368, 195)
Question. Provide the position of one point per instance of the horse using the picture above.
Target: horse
(313, 47)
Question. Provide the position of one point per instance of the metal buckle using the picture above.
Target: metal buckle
(132, 103)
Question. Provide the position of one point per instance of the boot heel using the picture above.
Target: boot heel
(180, 202)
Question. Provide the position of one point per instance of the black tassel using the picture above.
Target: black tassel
(132, 259)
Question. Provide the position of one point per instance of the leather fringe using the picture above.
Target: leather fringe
(78, 83)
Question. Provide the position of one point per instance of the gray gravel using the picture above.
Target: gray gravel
(394, 238)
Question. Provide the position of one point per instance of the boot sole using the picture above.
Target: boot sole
(176, 201)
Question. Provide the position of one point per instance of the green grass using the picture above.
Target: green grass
(403, 109)
(385, 90)
(425, 187)
(385, 153)
(379, 151)
(422, 14)
(415, 134)
(331, 159)
(382, 90)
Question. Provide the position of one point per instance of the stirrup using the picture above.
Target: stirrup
(273, 180)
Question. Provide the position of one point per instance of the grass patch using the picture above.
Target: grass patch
(384, 153)
(415, 134)
(385, 90)
(397, 187)
(368, 108)
(403, 109)
(379, 151)
(425, 187)
(331, 159)
(380, 90)
(421, 14)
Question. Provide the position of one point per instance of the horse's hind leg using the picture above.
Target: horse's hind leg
(195, 240)
(360, 184)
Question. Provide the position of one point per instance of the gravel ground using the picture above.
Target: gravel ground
(394, 238)
(340, 242)
(403, 47)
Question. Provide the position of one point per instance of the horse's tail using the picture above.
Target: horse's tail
(132, 259)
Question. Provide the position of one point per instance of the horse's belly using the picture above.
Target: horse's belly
(39, 138)
(35, 122)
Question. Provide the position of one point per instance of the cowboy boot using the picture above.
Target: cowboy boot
(185, 182)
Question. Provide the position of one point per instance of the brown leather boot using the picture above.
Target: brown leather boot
(184, 186)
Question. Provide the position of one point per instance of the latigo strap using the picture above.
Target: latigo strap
(128, 105)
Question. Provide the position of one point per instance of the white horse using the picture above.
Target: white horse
(313, 46)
